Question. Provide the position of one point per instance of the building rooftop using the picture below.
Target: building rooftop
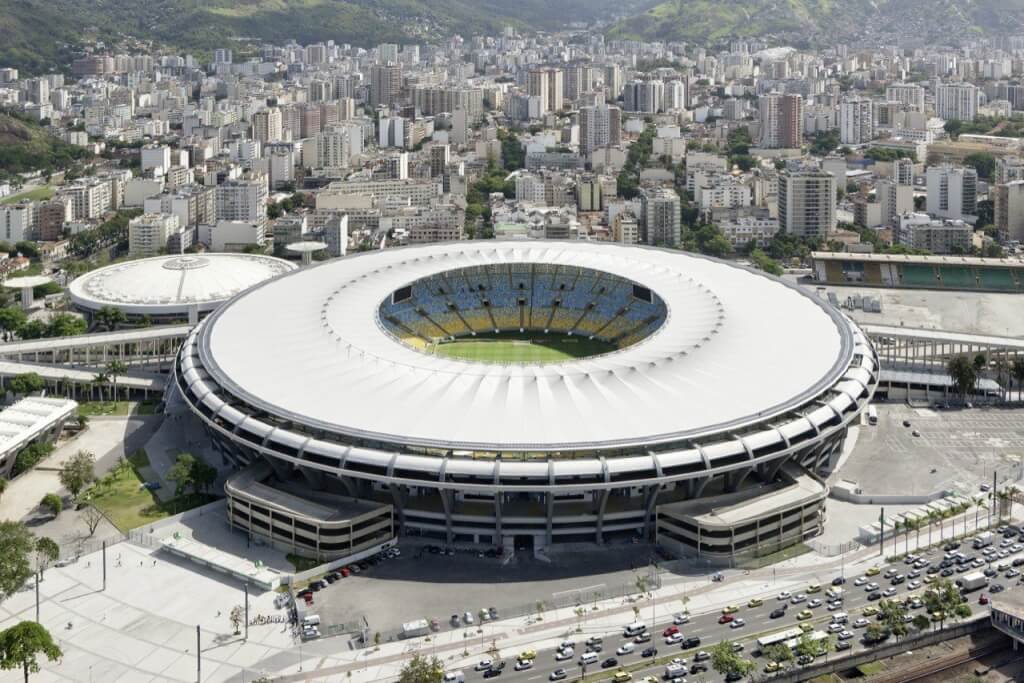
(166, 285)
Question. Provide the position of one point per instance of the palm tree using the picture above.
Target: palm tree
(1017, 372)
(115, 368)
(933, 515)
(99, 380)
(896, 526)
(964, 375)
(982, 505)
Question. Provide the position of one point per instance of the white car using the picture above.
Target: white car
(680, 618)
(814, 602)
(860, 581)
(913, 585)
(833, 606)
(889, 592)
(674, 638)
(524, 664)
(861, 623)
(834, 628)
(564, 654)
(871, 587)
(785, 595)
(625, 649)
(737, 623)
(799, 597)
(845, 635)
(483, 665)
(467, 617)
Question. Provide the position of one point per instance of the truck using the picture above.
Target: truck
(983, 540)
(412, 629)
(972, 581)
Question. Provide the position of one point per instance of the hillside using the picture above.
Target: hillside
(25, 146)
(34, 33)
(820, 21)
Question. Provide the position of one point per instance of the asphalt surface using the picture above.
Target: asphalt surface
(757, 623)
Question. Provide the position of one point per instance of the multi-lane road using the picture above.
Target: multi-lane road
(758, 622)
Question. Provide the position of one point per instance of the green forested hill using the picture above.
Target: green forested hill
(821, 21)
(33, 33)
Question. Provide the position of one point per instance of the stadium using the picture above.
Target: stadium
(522, 394)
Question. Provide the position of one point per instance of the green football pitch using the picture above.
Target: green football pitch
(526, 347)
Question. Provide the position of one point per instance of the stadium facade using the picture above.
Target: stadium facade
(726, 396)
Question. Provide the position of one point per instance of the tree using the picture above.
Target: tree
(983, 162)
(188, 472)
(78, 472)
(806, 646)
(108, 317)
(100, 380)
(11, 319)
(874, 633)
(65, 325)
(92, 518)
(26, 383)
(21, 644)
(115, 368)
(236, 616)
(419, 669)
(47, 551)
(16, 545)
(921, 622)
(1017, 372)
(964, 375)
(32, 329)
(53, 503)
(726, 661)
(780, 654)
(30, 455)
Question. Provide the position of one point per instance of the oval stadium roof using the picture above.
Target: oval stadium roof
(737, 347)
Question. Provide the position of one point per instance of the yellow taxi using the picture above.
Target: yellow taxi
(870, 611)
(771, 667)
(730, 609)
(804, 614)
(622, 676)
(528, 655)
(872, 571)
(814, 588)
(755, 602)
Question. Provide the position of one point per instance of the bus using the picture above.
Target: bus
(872, 415)
(815, 636)
(765, 642)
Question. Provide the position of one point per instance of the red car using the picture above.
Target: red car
(670, 631)
(983, 600)
(725, 619)
(345, 572)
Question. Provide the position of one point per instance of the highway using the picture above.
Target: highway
(758, 622)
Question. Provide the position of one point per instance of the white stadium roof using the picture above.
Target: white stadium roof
(166, 285)
(737, 348)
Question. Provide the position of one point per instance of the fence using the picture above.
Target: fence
(832, 549)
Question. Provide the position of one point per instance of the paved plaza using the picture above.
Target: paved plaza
(957, 450)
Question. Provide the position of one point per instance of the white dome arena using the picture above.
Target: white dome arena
(170, 287)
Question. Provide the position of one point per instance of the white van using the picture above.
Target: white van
(311, 620)
(588, 658)
(454, 677)
(675, 671)
(840, 618)
(634, 629)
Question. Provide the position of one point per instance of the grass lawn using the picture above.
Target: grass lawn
(38, 194)
(120, 496)
(521, 347)
(94, 408)
(302, 564)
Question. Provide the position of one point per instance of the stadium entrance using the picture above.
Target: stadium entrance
(524, 543)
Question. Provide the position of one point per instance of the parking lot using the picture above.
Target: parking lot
(422, 585)
(958, 449)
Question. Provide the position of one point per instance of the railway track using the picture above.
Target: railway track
(938, 666)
